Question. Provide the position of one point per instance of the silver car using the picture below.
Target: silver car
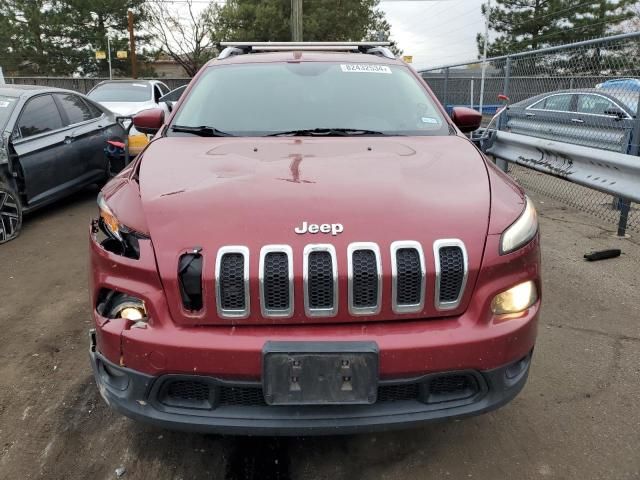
(595, 118)
(128, 97)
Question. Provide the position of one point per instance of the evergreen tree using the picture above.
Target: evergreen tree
(327, 20)
(60, 37)
(600, 18)
(29, 29)
(84, 27)
(532, 24)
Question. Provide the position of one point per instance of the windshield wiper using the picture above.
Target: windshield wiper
(202, 131)
(326, 132)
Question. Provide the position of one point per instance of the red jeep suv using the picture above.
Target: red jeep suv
(310, 245)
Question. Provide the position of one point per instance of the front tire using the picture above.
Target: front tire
(10, 213)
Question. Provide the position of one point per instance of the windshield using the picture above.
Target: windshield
(263, 99)
(7, 105)
(121, 92)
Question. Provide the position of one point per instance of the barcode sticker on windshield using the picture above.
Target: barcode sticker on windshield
(365, 68)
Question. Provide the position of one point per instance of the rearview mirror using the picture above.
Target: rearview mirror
(149, 121)
(466, 119)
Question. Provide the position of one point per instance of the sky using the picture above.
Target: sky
(436, 32)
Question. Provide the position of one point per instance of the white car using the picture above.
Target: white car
(128, 97)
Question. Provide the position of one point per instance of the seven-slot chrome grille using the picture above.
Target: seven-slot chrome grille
(320, 270)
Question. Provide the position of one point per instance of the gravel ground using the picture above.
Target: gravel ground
(578, 417)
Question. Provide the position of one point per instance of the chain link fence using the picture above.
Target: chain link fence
(598, 204)
(585, 94)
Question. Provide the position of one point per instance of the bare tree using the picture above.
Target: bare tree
(182, 33)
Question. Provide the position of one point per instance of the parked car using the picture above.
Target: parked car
(128, 97)
(592, 117)
(309, 244)
(51, 143)
(631, 84)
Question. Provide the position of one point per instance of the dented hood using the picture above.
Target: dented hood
(214, 192)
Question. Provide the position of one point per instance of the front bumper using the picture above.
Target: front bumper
(140, 396)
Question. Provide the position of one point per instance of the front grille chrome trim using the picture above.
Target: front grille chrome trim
(319, 312)
(406, 308)
(353, 247)
(437, 246)
(233, 313)
(276, 313)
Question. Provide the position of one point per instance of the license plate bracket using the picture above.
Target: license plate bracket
(320, 373)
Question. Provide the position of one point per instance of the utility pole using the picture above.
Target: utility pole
(132, 44)
(296, 20)
(484, 54)
(109, 57)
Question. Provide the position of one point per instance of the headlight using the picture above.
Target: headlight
(515, 300)
(109, 220)
(121, 239)
(521, 231)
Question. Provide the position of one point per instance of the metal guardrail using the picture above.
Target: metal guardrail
(610, 172)
(584, 162)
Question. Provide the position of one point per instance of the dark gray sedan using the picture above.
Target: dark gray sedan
(591, 117)
(51, 144)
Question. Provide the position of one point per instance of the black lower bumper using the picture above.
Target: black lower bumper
(140, 397)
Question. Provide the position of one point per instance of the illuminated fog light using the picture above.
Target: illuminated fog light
(515, 300)
(132, 311)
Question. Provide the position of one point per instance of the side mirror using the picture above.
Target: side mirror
(615, 112)
(466, 119)
(173, 96)
(149, 121)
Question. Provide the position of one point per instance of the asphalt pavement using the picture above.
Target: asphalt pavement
(578, 417)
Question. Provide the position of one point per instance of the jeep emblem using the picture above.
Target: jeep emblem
(313, 228)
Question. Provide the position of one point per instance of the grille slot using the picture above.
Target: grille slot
(408, 277)
(187, 394)
(276, 281)
(320, 280)
(190, 281)
(198, 394)
(365, 278)
(446, 388)
(232, 282)
(253, 396)
(395, 393)
(232, 279)
(244, 396)
(451, 273)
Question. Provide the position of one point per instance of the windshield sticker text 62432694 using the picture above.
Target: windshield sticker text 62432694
(364, 68)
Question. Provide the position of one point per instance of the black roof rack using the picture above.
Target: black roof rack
(241, 48)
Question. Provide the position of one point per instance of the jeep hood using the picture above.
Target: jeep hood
(215, 192)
